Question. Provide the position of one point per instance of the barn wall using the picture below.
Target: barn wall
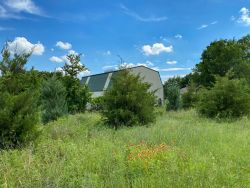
(152, 77)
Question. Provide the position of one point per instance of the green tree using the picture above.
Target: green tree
(53, 100)
(74, 67)
(78, 95)
(173, 96)
(18, 101)
(128, 102)
(227, 99)
(13, 65)
(217, 59)
(190, 98)
(18, 119)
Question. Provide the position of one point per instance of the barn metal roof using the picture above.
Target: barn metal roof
(97, 82)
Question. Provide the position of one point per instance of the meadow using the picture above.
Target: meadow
(180, 150)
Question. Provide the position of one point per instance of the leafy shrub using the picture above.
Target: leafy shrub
(189, 98)
(173, 96)
(18, 100)
(53, 99)
(97, 104)
(128, 102)
(227, 99)
(78, 95)
(18, 119)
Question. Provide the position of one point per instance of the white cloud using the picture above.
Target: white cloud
(75, 53)
(65, 58)
(155, 68)
(174, 69)
(84, 73)
(149, 63)
(156, 49)
(56, 59)
(6, 14)
(178, 36)
(141, 18)
(213, 23)
(206, 25)
(107, 53)
(72, 52)
(110, 68)
(59, 69)
(202, 26)
(22, 45)
(171, 62)
(127, 65)
(64, 45)
(245, 17)
(23, 6)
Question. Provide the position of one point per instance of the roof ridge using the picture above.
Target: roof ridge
(118, 71)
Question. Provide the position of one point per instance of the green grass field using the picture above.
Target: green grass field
(180, 150)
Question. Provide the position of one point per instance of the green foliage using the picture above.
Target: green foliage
(78, 95)
(13, 65)
(227, 99)
(18, 101)
(190, 98)
(97, 104)
(182, 82)
(173, 96)
(74, 67)
(53, 100)
(128, 101)
(220, 57)
(180, 150)
(18, 119)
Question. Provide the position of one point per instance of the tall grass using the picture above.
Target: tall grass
(180, 150)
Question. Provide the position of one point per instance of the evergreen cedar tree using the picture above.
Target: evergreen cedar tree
(18, 101)
(173, 96)
(53, 100)
(128, 102)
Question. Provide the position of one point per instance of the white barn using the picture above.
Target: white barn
(98, 83)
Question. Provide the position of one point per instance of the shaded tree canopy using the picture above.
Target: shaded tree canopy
(223, 56)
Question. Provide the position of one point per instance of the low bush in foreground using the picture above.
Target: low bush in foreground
(18, 119)
(180, 150)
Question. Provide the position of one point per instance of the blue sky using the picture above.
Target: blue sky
(166, 35)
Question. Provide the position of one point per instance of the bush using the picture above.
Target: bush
(189, 99)
(227, 99)
(97, 104)
(53, 99)
(18, 119)
(128, 102)
(18, 100)
(173, 96)
(78, 95)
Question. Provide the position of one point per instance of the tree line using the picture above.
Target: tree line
(218, 86)
(28, 97)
